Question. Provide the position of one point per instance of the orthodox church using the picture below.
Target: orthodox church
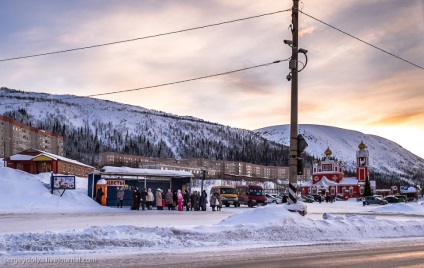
(328, 177)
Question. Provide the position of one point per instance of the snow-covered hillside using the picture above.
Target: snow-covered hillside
(385, 156)
(90, 126)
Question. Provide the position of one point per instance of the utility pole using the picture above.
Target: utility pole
(294, 106)
(4, 151)
(297, 143)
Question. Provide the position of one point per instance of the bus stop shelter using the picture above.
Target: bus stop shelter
(129, 178)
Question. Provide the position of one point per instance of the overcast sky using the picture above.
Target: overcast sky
(346, 83)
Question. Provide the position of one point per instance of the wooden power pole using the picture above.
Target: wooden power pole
(297, 143)
(294, 106)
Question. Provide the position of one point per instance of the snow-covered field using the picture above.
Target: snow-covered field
(34, 222)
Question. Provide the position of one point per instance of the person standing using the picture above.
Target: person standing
(186, 200)
(143, 200)
(168, 199)
(149, 199)
(159, 199)
(180, 200)
(219, 202)
(174, 200)
(194, 201)
(135, 199)
(203, 200)
(214, 201)
(120, 196)
(99, 195)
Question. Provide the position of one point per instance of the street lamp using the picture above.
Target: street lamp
(202, 177)
(4, 152)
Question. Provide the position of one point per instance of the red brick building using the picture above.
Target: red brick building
(35, 161)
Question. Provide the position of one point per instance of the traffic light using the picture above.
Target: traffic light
(299, 166)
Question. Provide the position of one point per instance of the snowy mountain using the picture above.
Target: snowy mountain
(385, 156)
(90, 126)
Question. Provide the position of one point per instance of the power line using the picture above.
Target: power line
(144, 37)
(160, 85)
(365, 42)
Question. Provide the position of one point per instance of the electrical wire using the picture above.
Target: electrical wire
(145, 37)
(159, 85)
(365, 42)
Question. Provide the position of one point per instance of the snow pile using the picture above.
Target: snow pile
(402, 208)
(278, 228)
(24, 192)
(268, 226)
(267, 215)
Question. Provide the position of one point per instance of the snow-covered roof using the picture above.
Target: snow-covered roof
(145, 172)
(23, 157)
(325, 182)
(349, 181)
(247, 177)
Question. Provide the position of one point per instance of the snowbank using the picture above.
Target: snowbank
(21, 192)
(267, 226)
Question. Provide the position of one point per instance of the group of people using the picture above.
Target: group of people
(173, 200)
(143, 199)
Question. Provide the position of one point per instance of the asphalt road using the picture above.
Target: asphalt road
(406, 253)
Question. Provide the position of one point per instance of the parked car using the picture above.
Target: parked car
(401, 198)
(272, 199)
(391, 199)
(368, 200)
(228, 195)
(250, 195)
(318, 197)
(308, 199)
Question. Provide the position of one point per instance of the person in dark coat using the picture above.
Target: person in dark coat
(284, 198)
(143, 196)
(186, 199)
(136, 199)
(203, 200)
(99, 195)
(174, 200)
(194, 201)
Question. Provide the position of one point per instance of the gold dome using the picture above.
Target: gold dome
(362, 145)
(328, 152)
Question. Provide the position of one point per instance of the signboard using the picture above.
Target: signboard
(63, 182)
(115, 183)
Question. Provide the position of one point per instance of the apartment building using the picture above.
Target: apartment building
(16, 137)
(217, 169)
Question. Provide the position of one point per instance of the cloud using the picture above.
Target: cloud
(346, 82)
(399, 119)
